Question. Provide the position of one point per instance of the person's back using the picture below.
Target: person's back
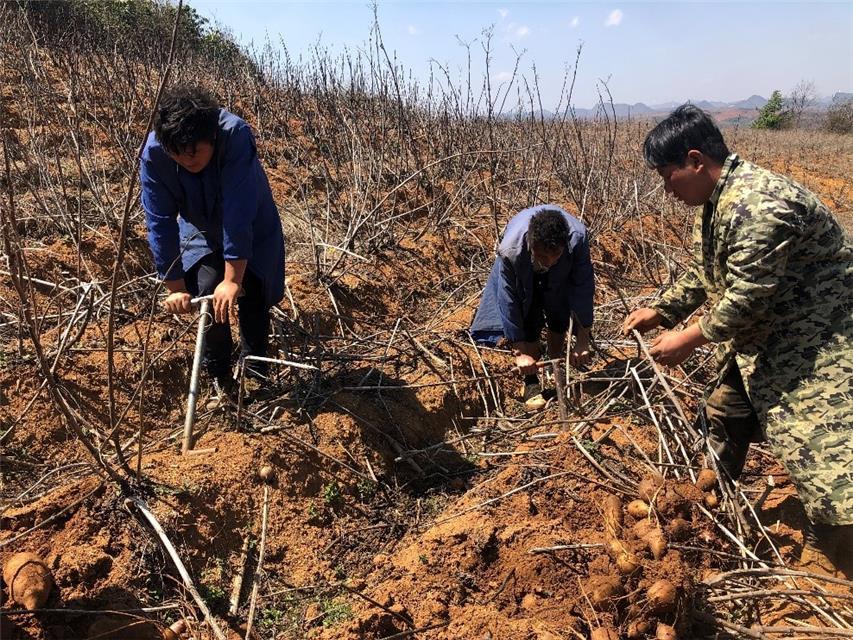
(760, 212)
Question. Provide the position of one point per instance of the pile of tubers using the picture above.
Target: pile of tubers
(660, 515)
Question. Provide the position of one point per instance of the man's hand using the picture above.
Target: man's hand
(225, 300)
(580, 355)
(525, 364)
(178, 302)
(642, 320)
(672, 348)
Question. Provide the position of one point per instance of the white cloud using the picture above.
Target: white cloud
(503, 12)
(574, 22)
(513, 31)
(413, 30)
(503, 76)
(614, 19)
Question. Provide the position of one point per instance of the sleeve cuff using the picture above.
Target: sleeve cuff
(669, 320)
(711, 330)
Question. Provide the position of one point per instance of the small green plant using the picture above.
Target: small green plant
(271, 618)
(335, 611)
(332, 494)
(340, 572)
(312, 510)
(366, 489)
(213, 594)
(434, 504)
(593, 448)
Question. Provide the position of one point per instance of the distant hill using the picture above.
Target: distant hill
(752, 102)
(740, 112)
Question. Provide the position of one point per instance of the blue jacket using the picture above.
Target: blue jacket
(509, 292)
(227, 208)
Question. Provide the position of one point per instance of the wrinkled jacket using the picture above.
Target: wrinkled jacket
(226, 208)
(509, 291)
(776, 268)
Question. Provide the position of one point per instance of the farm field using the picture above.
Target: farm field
(405, 492)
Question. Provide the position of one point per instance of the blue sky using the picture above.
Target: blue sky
(648, 52)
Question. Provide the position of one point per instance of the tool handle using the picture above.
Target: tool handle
(201, 299)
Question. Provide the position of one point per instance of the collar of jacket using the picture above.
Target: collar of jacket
(728, 166)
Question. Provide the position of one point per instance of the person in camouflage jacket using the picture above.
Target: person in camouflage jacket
(776, 269)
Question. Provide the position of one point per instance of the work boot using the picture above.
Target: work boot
(221, 392)
(844, 550)
(820, 548)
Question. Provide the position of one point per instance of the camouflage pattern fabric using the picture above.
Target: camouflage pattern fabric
(776, 268)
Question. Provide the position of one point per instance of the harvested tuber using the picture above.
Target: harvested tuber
(627, 563)
(638, 509)
(665, 632)
(661, 596)
(638, 628)
(656, 542)
(641, 528)
(649, 488)
(603, 590)
(615, 546)
(29, 580)
(706, 480)
(266, 473)
(613, 517)
(604, 633)
(711, 500)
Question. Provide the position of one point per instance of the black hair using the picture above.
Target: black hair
(548, 229)
(686, 128)
(187, 115)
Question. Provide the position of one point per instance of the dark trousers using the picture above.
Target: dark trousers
(732, 422)
(538, 317)
(252, 313)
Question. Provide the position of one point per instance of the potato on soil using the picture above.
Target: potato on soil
(615, 547)
(638, 509)
(266, 473)
(656, 542)
(29, 580)
(641, 528)
(627, 563)
(661, 596)
(706, 480)
(602, 590)
(649, 488)
(604, 633)
(638, 628)
(665, 632)
(613, 517)
(711, 500)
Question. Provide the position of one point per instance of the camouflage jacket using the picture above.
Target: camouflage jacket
(776, 268)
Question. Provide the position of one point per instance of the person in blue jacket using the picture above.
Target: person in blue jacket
(213, 227)
(542, 276)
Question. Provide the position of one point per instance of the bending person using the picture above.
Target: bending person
(212, 224)
(541, 276)
(776, 270)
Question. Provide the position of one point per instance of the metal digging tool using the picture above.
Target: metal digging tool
(192, 396)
